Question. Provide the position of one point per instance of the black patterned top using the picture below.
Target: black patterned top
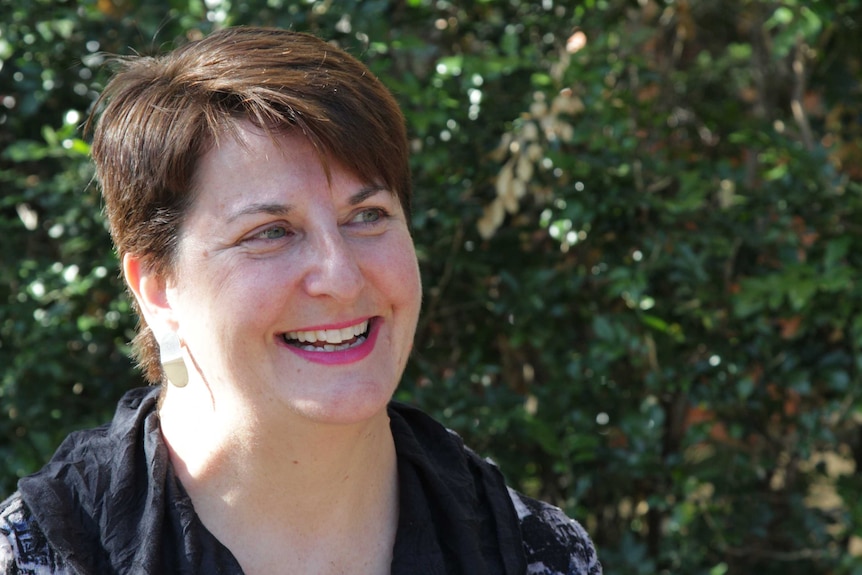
(108, 502)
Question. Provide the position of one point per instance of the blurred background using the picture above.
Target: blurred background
(640, 228)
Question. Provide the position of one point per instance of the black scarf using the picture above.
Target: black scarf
(109, 502)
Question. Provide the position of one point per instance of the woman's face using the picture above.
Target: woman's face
(293, 291)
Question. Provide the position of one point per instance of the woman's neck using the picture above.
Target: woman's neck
(258, 481)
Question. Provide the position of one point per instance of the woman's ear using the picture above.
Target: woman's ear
(150, 291)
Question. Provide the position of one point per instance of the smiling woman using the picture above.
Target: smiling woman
(258, 191)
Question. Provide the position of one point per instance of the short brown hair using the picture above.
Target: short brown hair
(161, 114)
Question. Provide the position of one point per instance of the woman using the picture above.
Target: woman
(258, 192)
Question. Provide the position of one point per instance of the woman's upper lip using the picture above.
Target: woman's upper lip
(336, 325)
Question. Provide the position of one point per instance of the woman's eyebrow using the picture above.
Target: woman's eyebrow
(261, 208)
(275, 209)
(366, 193)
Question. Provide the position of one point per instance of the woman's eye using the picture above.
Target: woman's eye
(369, 216)
(273, 233)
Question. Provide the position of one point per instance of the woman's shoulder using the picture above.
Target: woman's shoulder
(554, 543)
(23, 547)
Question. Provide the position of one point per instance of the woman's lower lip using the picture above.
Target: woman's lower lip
(345, 356)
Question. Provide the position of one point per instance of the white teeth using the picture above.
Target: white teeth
(331, 337)
(331, 347)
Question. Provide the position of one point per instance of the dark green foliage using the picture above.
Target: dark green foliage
(640, 256)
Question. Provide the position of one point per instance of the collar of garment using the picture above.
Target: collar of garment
(109, 502)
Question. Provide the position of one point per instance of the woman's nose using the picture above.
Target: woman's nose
(334, 267)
